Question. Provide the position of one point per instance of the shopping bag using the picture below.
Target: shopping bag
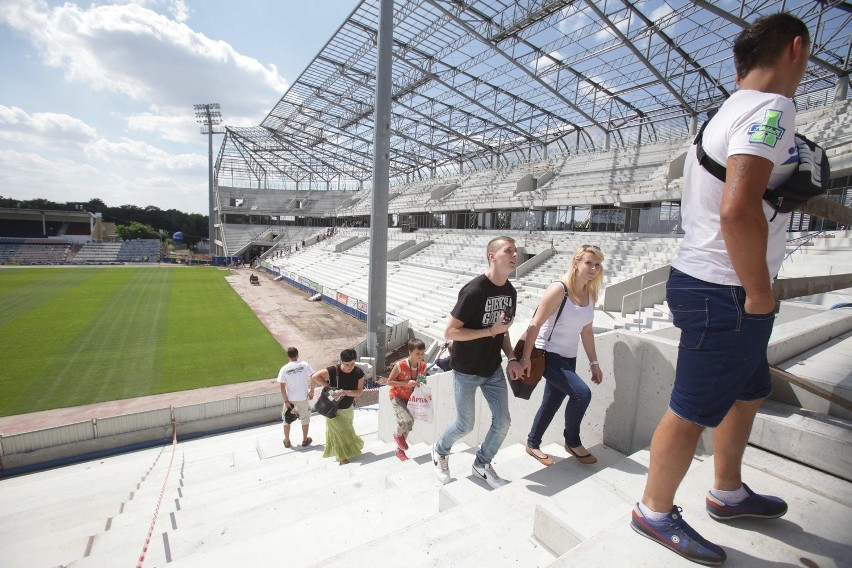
(420, 403)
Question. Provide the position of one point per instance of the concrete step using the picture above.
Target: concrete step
(583, 507)
(483, 527)
(211, 521)
(814, 532)
(828, 366)
(181, 497)
(293, 539)
(812, 438)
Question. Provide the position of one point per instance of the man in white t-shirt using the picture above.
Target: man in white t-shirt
(296, 389)
(720, 289)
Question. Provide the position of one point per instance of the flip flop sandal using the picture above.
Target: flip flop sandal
(546, 460)
(287, 443)
(307, 442)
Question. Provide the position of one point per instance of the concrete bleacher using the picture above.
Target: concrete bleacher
(98, 252)
(632, 174)
(33, 251)
(422, 287)
(139, 250)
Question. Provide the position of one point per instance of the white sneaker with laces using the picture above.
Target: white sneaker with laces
(487, 474)
(442, 466)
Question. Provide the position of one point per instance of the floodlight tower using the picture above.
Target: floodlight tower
(209, 117)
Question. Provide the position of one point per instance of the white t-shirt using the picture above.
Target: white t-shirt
(296, 375)
(566, 335)
(749, 122)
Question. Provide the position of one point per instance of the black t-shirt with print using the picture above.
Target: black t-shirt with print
(479, 306)
(348, 381)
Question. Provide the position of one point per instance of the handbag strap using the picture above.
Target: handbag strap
(561, 307)
(336, 378)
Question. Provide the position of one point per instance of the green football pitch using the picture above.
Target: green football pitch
(72, 336)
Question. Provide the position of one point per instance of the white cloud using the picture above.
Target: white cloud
(127, 181)
(543, 62)
(155, 67)
(44, 128)
(134, 51)
(64, 159)
(573, 21)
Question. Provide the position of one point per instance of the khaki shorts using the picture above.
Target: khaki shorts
(403, 417)
(302, 408)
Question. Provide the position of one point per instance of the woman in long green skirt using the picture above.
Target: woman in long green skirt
(341, 441)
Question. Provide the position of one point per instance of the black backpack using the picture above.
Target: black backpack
(810, 179)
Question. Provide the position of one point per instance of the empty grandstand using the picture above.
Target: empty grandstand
(29, 236)
(537, 119)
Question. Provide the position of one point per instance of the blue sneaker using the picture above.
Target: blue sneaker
(760, 506)
(673, 533)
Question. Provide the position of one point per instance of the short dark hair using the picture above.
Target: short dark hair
(760, 44)
(494, 244)
(415, 345)
(292, 353)
(348, 355)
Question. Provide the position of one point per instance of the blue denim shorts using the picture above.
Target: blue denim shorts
(722, 350)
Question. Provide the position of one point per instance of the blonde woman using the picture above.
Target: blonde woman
(564, 318)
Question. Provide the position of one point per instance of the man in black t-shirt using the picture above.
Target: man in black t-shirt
(478, 327)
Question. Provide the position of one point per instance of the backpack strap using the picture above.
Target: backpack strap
(713, 167)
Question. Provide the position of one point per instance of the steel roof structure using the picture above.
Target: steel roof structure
(484, 83)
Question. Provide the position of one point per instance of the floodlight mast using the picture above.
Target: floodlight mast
(209, 117)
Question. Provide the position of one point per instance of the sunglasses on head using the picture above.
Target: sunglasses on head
(586, 247)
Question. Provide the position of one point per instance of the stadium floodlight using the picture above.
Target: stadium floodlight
(209, 116)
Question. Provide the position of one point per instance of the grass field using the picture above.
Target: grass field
(72, 336)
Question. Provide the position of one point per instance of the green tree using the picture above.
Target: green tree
(136, 230)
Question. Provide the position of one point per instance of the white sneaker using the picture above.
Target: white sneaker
(487, 474)
(442, 466)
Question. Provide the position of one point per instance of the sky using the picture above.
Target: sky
(96, 98)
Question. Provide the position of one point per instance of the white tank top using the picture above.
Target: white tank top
(566, 335)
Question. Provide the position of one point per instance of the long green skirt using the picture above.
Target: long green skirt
(341, 441)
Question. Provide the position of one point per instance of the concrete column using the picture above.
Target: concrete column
(841, 88)
(377, 286)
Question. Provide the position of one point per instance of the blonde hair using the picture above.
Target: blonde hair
(595, 285)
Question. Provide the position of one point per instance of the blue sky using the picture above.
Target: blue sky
(96, 98)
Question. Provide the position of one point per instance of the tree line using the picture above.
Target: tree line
(131, 221)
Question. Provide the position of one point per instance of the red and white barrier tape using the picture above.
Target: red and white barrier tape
(160, 500)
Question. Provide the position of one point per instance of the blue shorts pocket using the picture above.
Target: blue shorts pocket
(691, 316)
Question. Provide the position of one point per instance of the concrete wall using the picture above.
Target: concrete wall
(105, 435)
(533, 262)
(614, 295)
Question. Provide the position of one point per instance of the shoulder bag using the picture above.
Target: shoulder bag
(326, 404)
(523, 387)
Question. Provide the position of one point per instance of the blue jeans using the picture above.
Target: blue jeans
(561, 381)
(722, 350)
(496, 394)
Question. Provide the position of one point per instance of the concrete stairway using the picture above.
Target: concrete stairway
(814, 532)
(242, 499)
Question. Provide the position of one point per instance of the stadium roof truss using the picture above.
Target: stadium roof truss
(485, 83)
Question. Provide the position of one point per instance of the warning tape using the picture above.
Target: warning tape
(160, 500)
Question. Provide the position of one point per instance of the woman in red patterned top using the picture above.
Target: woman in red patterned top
(402, 380)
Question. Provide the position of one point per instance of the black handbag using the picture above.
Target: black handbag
(326, 404)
